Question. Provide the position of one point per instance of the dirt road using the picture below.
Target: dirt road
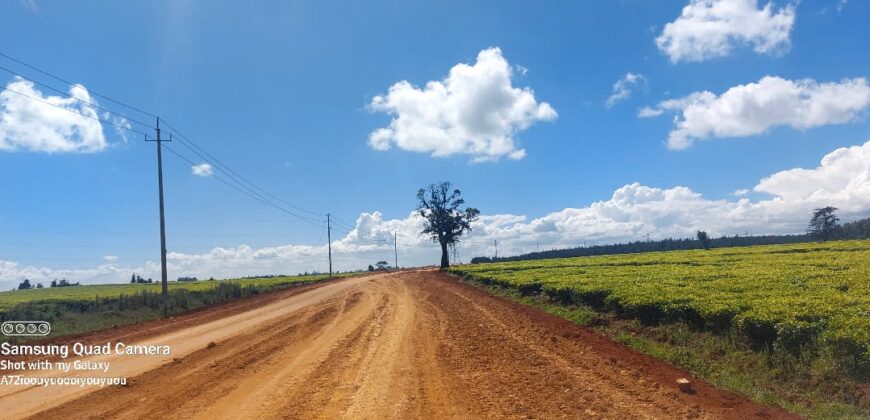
(404, 345)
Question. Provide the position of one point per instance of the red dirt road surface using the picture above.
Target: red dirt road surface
(413, 344)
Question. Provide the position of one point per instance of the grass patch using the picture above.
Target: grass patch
(9, 299)
(80, 309)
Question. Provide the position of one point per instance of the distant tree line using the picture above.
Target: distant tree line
(669, 244)
(380, 266)
(62, 283)
(135, 279)
(859, 229)
(268, 276)
(27, 284)
(823, 226)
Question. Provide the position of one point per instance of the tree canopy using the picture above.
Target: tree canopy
(446, 220)
(704, 239)
(824, 224)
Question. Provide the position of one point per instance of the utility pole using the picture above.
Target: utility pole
(163, 284)
(495, 243)
(329, 242)
(396, 248)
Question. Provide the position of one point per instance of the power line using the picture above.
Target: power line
(71, 83)
(342, 221)
(75, 112)
(231, 173)
(243, 191)
(239, 182)
(373, 241)
(345, 225)
(242, 184)
(329, 242)
(78, 99)
(343, 232)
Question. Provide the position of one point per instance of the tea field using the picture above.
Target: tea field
(781, 296)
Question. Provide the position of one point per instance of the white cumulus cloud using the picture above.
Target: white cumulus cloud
(753, 108)
(203, 169)
(712, 28)
(31, 121)
(842, 179)
(12, 273)
(474, 111)
(784, 204)
(623, 87)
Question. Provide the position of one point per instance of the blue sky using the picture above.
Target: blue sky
(282, 92)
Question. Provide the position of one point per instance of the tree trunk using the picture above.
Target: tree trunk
(445, 259)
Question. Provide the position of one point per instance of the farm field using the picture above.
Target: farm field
(9, 299)
(81, 309)
(783, 296)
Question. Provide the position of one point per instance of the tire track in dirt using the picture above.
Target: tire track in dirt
(191, 375)
(402, 345)
(613, 383)
(20, 401)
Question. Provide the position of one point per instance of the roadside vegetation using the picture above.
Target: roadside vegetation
(784, 324)
(73, 310)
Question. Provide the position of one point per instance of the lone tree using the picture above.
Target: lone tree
(446, 221)
(704, 239)
(825, 224)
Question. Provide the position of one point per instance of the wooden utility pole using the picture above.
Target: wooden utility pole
(329, 242)
(396, 248)
(164, 286)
